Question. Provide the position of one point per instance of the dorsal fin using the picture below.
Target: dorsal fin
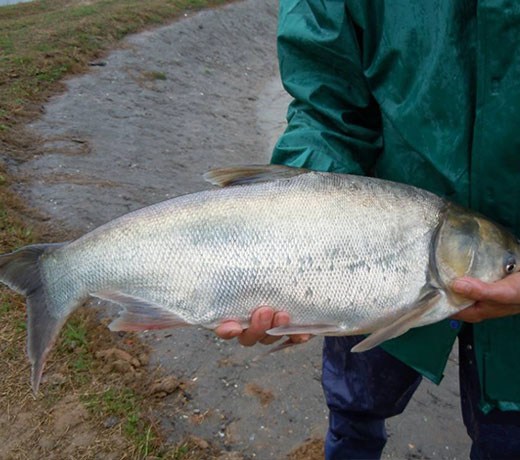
(251, 174)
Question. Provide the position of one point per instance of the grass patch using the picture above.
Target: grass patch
(75, 342)
(75, 336)
(155, 75)
(124, 404)
(20, 326)
(114, 401)
(5, 305)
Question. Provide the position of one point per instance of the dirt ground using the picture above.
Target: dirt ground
(142, 127)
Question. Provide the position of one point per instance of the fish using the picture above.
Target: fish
(341, 254)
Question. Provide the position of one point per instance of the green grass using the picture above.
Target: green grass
(120, 402)
(5, 306)
(75, 342)
(75, 335)
(124, 404)
(156, 75)
(20, 326)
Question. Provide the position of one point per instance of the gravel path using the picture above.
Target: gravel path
(141, 128)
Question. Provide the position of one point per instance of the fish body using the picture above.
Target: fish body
(328, 249)
(341, 254)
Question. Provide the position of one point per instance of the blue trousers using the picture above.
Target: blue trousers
(363, 389)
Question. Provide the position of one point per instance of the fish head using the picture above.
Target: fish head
(468, 244)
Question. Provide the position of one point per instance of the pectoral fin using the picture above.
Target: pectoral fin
(422, 307)
(139, 314)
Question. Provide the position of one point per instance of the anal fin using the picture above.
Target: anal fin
(139, 314)
(422, 307)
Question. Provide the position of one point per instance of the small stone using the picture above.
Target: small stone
(111, 422)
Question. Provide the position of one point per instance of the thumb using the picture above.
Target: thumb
(476, 289)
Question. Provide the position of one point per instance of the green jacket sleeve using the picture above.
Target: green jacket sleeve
(334, 124)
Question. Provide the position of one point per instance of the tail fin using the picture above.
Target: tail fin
(20, 270)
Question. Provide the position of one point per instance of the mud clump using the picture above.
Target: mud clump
(166, 386)
(115, 355)
(313, 449)
(265, 397)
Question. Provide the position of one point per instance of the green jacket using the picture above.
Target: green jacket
(421, 92)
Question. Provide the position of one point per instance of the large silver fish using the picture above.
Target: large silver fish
(341, 254)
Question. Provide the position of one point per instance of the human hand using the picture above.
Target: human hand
(494, 300)
(262, 319)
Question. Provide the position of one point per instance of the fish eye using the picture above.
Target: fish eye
(510, 263)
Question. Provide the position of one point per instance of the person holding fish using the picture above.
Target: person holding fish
(396, 95)
(427, 94)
